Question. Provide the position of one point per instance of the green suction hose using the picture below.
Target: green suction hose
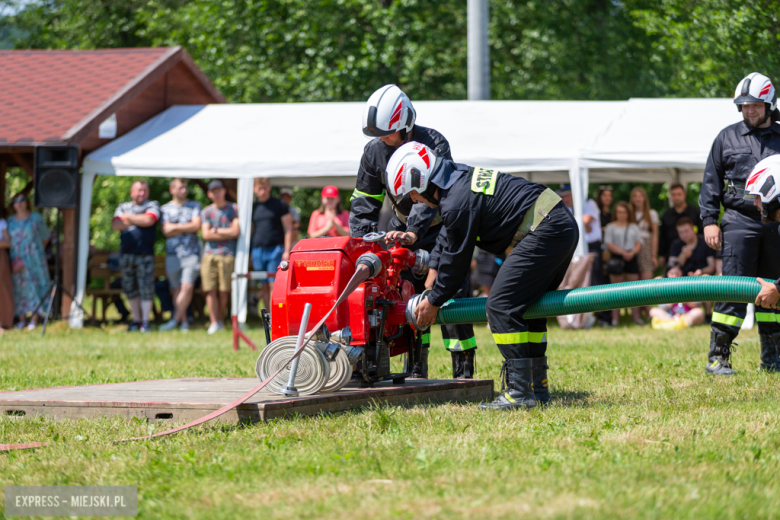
(615, 296)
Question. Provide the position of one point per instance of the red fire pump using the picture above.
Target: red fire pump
(370, 324)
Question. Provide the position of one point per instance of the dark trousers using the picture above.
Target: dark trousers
(597, 267)
(750, 248)
(537, 264)
(597, 276)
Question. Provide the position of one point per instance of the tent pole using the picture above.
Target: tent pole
(85, 207)
(579, 193)
(244, 197)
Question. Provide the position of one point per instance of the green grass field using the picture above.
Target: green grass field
(636, 430)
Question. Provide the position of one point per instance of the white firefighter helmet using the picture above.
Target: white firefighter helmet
(755, 88)
(410, 168)
(387, 111)
(764, 180)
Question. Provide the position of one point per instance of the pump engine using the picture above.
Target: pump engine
(370, 325)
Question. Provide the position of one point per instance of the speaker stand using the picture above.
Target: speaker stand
(56, 285)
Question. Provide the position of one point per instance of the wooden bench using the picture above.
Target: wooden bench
(97, 267)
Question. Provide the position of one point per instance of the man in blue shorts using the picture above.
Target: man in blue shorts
(272, 236)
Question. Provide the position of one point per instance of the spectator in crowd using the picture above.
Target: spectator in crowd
(137, 222)
(624, 242)
(286, 196)
(6, 286)
(30, 271)
(604, 200)
(219, 226)
(591, 219)
(690, 252)
(180, 225)
(680, 208)
(564, 192)
(488, 265)
(678, 315)
(647, 221)
(331, 218)
(272, 235)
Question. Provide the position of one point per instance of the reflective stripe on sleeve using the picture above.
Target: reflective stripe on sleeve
(358, 194)
(766, 317)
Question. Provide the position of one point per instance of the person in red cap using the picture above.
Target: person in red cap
(331, 219)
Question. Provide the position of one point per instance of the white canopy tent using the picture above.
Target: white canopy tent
(313, 144)
(659, 140)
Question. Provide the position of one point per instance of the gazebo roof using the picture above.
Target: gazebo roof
(64, 95)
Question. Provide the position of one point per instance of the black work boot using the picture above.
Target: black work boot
(770, 360)
(420, 368)
(720, 352)
(517, 389)
(463, 363)
(541, 389)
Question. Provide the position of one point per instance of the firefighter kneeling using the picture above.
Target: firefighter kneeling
(495, 211)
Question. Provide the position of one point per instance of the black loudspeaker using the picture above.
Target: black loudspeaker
(56, 176)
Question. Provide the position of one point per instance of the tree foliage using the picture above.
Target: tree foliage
(342, 50)
(712, 44)
(573, 49)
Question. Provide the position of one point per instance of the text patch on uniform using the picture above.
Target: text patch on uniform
(484, 181)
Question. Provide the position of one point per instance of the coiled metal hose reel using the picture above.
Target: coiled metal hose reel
(324, 366)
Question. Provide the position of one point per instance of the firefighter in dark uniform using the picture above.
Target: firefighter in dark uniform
(764, 185)
(389, 117)
(750, 247)
(495, 211)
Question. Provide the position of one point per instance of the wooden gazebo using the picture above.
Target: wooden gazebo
(63, 97)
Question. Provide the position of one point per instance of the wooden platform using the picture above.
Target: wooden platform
(186, 399)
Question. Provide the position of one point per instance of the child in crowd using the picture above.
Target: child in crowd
(677, 315)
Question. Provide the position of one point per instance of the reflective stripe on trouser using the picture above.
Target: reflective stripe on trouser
(536, 342)
(456, 345)
(535, 265)
(749, 249)
(459, 337)
(426, 339)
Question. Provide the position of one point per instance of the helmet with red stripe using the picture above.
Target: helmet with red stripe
(755, 88)
(387, 111)
(411, 168)
(764, 183)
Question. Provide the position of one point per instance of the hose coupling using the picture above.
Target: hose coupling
(343, 336)
(421, 260)
(373, 263)
(329, 350)
(353, 354)
(411, 306)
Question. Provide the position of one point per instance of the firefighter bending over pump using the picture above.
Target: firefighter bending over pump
(496, 211)
(389, 118)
